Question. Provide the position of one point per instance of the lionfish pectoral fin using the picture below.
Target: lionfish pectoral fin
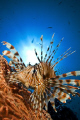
(65, 82)
(14, 56)
(39, 99)
(64, 87)
(73, 73)
(61, 94)
(10, 55)
(53, 105)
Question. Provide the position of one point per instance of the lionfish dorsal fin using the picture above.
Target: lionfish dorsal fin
(41, 47)
(37, 55)
(62, 57)
(50, 47)
(41, 38)
(54, 51)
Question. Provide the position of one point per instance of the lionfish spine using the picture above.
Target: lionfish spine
(41, 47)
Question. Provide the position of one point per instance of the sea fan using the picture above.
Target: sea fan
(14, 98)
(42, 77)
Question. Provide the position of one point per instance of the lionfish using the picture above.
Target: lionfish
(42, 77)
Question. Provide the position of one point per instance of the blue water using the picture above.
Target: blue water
(22, 22)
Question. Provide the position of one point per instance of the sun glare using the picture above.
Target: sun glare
(27, 53)
(31, 57)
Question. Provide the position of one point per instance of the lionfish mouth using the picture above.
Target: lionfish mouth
(42, 77)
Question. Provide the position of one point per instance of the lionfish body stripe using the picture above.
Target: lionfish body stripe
(42, 78)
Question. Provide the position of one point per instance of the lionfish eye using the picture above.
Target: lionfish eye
(39, 84)
(36, 66)
(44, 76)
(34, 71)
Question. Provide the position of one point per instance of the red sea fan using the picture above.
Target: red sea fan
(14, 99)
(42, 78)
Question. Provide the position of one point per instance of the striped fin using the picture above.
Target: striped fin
(14, 55)
(63, 82)
(54, 51)
(66, 55)
(37, 55)
(10, 55)
(52, 101)
(61, 89)
(60, 84)
(39, 98)
(15, 61)
(13, 50)
(50, 47)
(61, 94)
(41, 47)
(68, 81)
(69, 89)
(61, 55)
(63, 97)
(73, 73)
(18, 66)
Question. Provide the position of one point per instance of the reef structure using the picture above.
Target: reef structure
(14, 98)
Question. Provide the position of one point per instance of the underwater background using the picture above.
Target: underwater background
(22, 22)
